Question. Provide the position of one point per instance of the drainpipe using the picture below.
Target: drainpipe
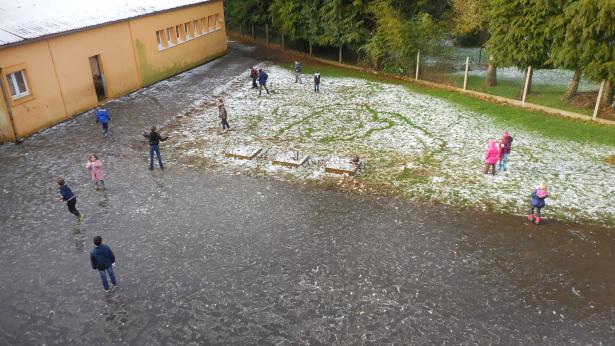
(9, 110)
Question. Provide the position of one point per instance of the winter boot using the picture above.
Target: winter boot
(531, 217)
(537, 221)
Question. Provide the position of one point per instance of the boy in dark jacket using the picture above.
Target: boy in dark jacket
(298, 72)
(103, 260)
(317, 82)
(254, 76)
(102, 117)
(154, 146)
(67, 195)
(262, 80)
(223, 115)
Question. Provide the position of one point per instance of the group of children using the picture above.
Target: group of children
(499, 152)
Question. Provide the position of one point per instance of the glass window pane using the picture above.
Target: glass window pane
(9, 79)
(21, 83)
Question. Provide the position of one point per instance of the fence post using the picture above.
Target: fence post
(310, 48)
(418, 61)
(267, 33)
(253, 35)
(282, 41)
(597, 107)
(339, 60)
(465, 77)
(527, 82)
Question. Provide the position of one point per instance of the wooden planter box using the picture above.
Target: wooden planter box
(243, 153)
(338, 165)
(288, 160)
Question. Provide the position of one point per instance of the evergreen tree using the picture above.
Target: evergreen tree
(343, 23)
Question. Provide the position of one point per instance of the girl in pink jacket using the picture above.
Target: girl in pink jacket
(95, 167)
(492, 156)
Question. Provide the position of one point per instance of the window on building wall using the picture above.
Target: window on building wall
(159, 39)
(187, 30)
(169, 39)
(218, 21)
(203, 26)
(195, 27)
(178, 34)
(211, 24)
(17, 84)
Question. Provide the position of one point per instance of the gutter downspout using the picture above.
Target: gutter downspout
(9, 110)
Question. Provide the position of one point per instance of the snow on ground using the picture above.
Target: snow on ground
(414, 145)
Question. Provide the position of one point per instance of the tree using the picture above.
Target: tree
(286, 16)
(589, 40)
(519, 33)
(472, 16)
(342, 23)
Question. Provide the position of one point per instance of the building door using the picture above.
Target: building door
(97, 76)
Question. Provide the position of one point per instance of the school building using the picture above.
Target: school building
(59, 58)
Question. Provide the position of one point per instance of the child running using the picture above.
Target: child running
(505, 145)
(538, 202)
(94, 165)
(317, 82)
(67, 195)
(102, 117)
(491, 157)
(223, 116)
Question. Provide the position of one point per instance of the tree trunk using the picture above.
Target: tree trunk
(529, 83)
(282, 41)
(310, 48)
(492, 73)
(266, 33)
(253, 35)
(340, 55)
(607, 94)
(573, 86)
(240, 29)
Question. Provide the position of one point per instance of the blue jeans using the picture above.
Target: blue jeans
(105, 127)
(154, 149)
(103, 277)
(503, 160)
(316, 87)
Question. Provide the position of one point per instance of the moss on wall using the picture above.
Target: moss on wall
(150, 74)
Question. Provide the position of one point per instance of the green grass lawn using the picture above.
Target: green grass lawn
(540, 123)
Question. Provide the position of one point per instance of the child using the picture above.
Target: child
(102, 117)
(103, 260)
(66, 195)
(298, 72)
(491, 157)
(223, 115)
(505, 145)
(538, 202)
(95, 167)
(317, 82)
(154, 146)
(254, 76)
(262, 80)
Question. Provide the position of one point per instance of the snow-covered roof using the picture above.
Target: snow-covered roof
(23, 20)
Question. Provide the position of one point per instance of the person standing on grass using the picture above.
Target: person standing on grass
(154, 146)
(505, 146)
(262, 80)
(298, 72)
(223, 115)
(254, 76)
(491, 156)
(317, 82)
(94, 165)
(103, 260)
(67, 195)
(538, 202)
(102, 117)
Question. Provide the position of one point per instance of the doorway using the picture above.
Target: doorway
(97, 76)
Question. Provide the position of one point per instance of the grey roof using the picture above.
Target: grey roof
(30, 19)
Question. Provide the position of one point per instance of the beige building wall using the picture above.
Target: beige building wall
(71, 55)
(44, 106)
(155, 64)
(59, 75)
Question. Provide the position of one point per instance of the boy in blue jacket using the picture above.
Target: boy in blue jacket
(102, 117)
(103, 260)
(262, 80)
(67, 195)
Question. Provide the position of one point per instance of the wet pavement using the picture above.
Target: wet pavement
(205, 257)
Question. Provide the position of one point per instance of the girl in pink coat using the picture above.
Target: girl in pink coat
(492, 156)
(95, 167)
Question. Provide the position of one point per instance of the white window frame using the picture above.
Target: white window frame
(218, 21)
(187, 29)
(159, 39)
(195, 26)
(11, 79)
(168, 34)
(203, 26)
